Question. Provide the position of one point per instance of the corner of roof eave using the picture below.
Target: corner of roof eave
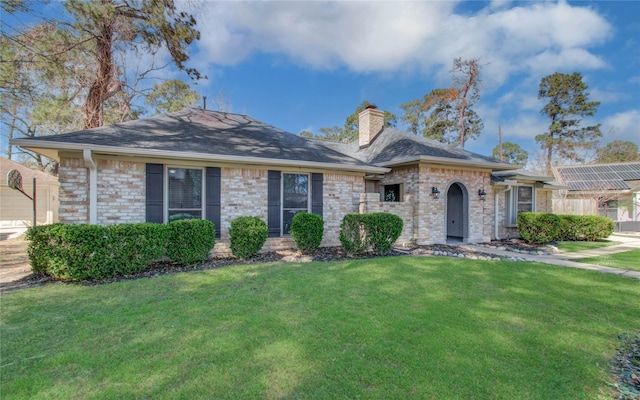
(450, 161)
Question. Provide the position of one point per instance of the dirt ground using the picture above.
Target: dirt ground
(14, 263)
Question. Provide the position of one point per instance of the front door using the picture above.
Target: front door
(455, 212)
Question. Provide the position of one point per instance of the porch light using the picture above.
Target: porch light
(435, 192)
(482, 194)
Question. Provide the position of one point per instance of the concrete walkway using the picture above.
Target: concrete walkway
(628, 242)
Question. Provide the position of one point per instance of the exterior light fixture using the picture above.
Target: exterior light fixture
(482, 194)
(435, 192)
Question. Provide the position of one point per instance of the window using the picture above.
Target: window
(295, 198)
(393, 192)
(519, 199)
(184, 193)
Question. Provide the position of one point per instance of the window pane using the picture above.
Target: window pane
(392, 192)
(185, 188)
(295, 191)
(287, 217)
(525, 194)
(183, 214)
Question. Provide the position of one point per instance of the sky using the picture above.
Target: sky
(303, 65)
(306, 65)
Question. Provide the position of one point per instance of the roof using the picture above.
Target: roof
(27, 173)
(599, 176)
(197, 134)
(201, 134)
(393, 147)
(548, 182)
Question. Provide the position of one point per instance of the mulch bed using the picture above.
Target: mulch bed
(323, 254)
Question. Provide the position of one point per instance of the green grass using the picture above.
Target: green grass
(625, 260)
(386, 328)
(571, 247)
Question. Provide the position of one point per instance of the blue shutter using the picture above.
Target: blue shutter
(212, 188)
(154, 183)
(317, 181)
(273, 203)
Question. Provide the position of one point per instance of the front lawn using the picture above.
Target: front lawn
(625, 260)
(397, 327)
(571, 247)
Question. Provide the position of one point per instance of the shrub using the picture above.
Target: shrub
(307, 230)
(359, 232)
(383, 229)
(91, 252)
(189, 241)
(353, 235)
(537, 227)
(247, 236)
(584, 227)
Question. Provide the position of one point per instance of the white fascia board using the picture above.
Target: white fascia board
(451, 162)
(43, 147)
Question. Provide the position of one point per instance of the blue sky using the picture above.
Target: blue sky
(306, 65)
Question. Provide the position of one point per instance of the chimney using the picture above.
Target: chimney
(370, 123)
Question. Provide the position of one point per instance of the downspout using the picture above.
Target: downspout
(90, 163)
(495, 210)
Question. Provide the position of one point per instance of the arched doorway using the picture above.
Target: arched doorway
(457, 212)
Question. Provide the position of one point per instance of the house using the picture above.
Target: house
(16, 210)
(219, 166)
(611, 190)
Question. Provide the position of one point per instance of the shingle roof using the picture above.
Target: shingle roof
(209, 134)
(599, 176)
(203, 132)
(392, 146)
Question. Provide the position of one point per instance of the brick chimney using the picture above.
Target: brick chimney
(370, 123)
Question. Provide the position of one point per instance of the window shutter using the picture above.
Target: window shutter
(317, 181)
(154, 193)
(273, 199)
(212, 187)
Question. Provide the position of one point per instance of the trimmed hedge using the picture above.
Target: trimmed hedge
(189, 241)
(536, 227)
(379, 231)
(92, 252)
(307, 230)
(585, 228)
(544, 227)
(247, 236)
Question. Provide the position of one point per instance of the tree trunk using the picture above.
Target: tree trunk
(94, 106)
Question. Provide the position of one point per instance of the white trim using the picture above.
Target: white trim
(93, 185)
(165, 190)
(186, 155)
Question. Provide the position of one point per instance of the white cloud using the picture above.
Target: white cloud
(622, 126)
(537, 38)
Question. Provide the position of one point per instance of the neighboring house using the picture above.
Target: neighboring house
(611, 190)
(220, 166)
(16, 210)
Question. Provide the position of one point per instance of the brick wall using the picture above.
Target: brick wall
(74, 191)
(121, 192)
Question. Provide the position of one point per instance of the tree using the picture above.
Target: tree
(568, 104)
(511, 153)
(618, 151)
(100, 29)
(350, 131)
(446, 114)
(170, 96)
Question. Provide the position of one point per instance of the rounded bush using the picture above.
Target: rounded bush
(353, 234)
(383, 229)
(535, 227)
(189, 241)
(247, 236)
(307, 230)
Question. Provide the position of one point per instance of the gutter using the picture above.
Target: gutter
(450, 161)
(186, 155)
(93, 185)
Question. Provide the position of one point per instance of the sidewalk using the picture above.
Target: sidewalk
(629, 242)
